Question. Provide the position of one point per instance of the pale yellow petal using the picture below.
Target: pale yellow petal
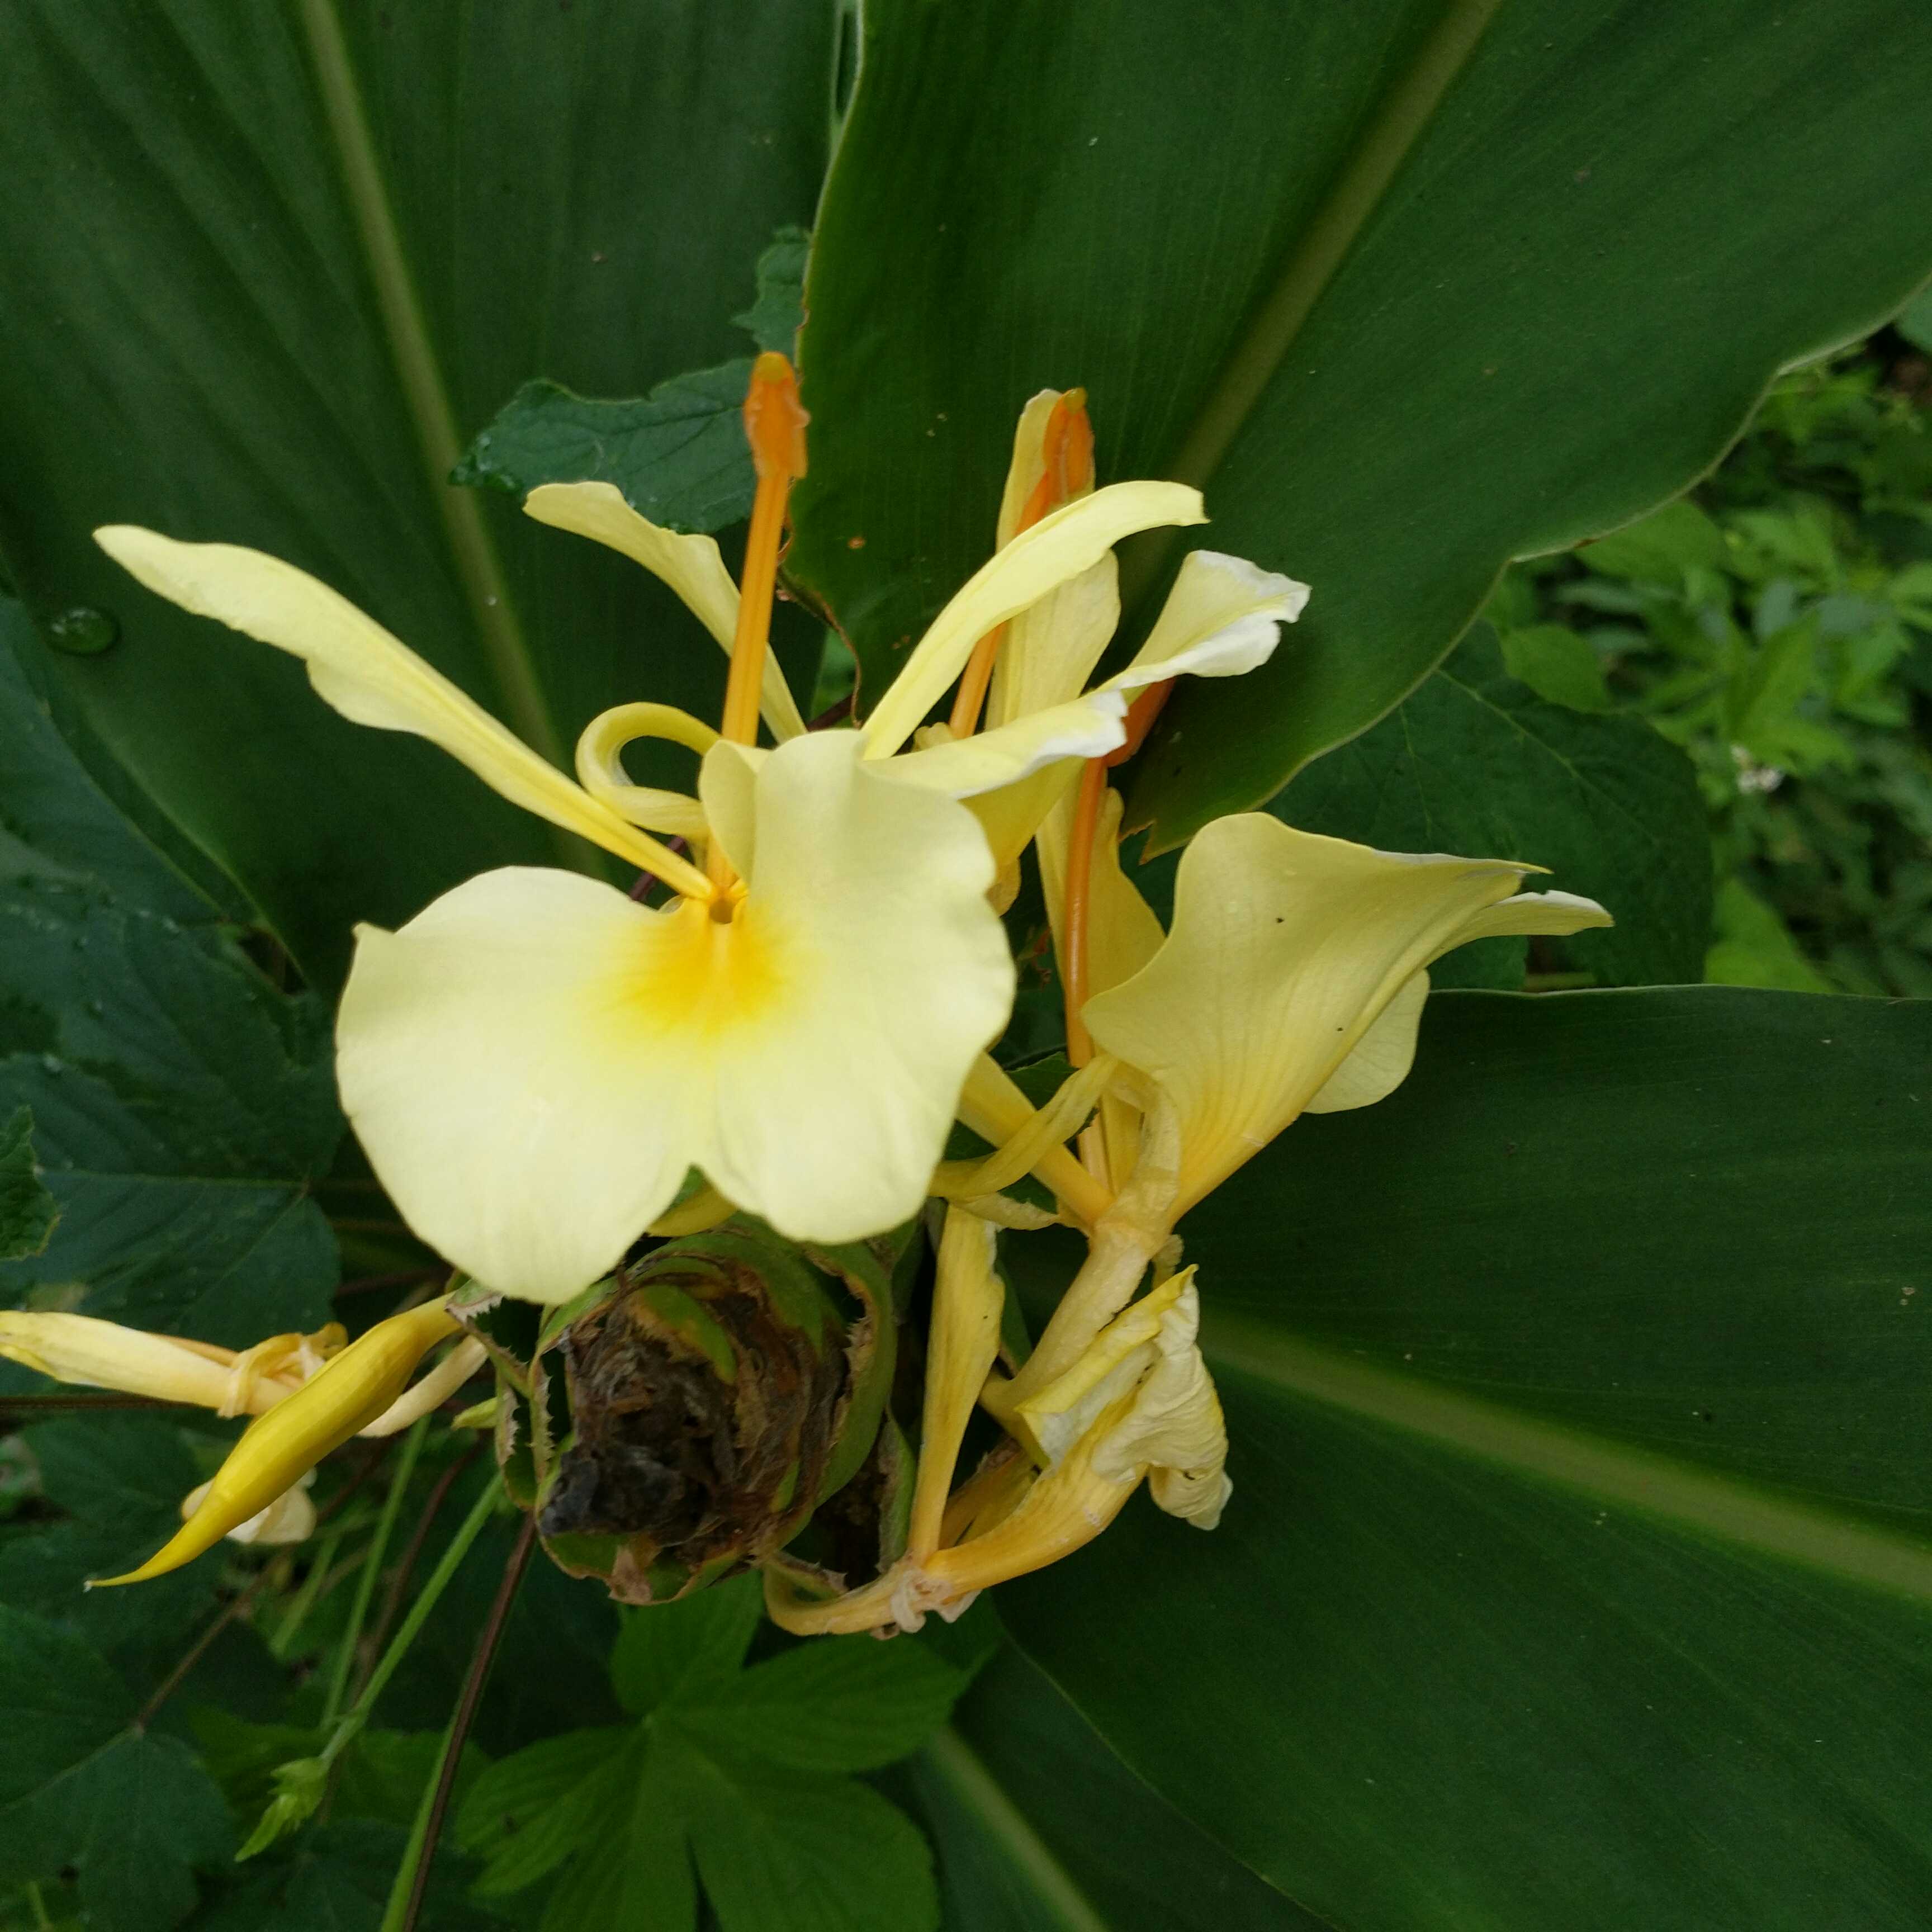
(1380, 1060)
(1088, 728)
(1051, 648)
(1552, 914)
(290, 1518)
(1285, 949)
(102, 1354)
(600, 766)
(370, 676)
(1174, 1431)
(728, 782)
(887, 973)
(1223, 617)
(690, 564)
(523, 1063)
(1059, 546)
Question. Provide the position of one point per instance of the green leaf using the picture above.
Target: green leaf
(839, 1704)
(682, 1650)
(679, 454)
(1915, 323)
(80, 1785)
(1039, 1827)
(1408, 290)
(1660, 547)
(1558, 664)
(181, 1104)
(1476, 763)
(27, 1210)
(1753, 947)
(781, 1853)
(1574, 1395)
(528, 1812)
(120, 1480)
(338, 1880)
(262, 276)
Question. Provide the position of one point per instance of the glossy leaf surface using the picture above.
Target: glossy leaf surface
(304, 253)
(1409, 288)
(1578, 1567)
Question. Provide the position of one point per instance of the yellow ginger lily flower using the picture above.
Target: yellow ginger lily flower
(317, 1392)
(535, 1062)
(1292, 982)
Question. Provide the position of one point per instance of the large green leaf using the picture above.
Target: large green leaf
(1578, 1571)
(1474, 761)
(263, 271)
(182, 1105)
(1409, 287)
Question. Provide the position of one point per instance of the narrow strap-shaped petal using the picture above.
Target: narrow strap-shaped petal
(1553, 914)
(1088, 728)
(372, 678)
(1222, 617)
(690, 564)
(1059, 546)
(600, 766)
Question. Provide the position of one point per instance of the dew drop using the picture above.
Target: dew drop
(82, 631)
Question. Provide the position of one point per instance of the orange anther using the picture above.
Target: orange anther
(775, 419)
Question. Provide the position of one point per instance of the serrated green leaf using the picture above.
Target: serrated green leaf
(778, 1851)
(1476, 763)
(120, 1480)
(27, 1210)
(679, 454)
(836, 1704)
(181, 1104)
(79, 1785)
(1557, 664)
(635, 1870)
(667, 1652)
(774, 320)
(527, 1812)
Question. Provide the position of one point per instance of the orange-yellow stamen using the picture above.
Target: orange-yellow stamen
(775, 422)
(1067, 452)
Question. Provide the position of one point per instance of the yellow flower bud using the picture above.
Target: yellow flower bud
(280, 1448)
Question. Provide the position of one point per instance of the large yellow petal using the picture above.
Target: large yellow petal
(1222, 617)
(691, 566)
(887, 973)
(1285, 950)
(367, 675)
(524, 1063)
(1059, 546)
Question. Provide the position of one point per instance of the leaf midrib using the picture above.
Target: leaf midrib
(479, 570)
(1700, 1500)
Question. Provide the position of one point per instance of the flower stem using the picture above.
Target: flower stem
(412, 1883)
(372, 1567)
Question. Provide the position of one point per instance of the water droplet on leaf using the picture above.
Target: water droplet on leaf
(83, 631)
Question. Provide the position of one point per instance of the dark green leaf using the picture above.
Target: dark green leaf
(1576, 1570)
(121, 1480)
(27, 1210)
(1407, 288)
(783, 1852)
(79, 1787)
(838, 1704)
(1557, 664)
(683, 1649)
(1040, 1828)
(181, 1104)
(1475, 762)
(526, 1813)
(679, 454)
(263, 273)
